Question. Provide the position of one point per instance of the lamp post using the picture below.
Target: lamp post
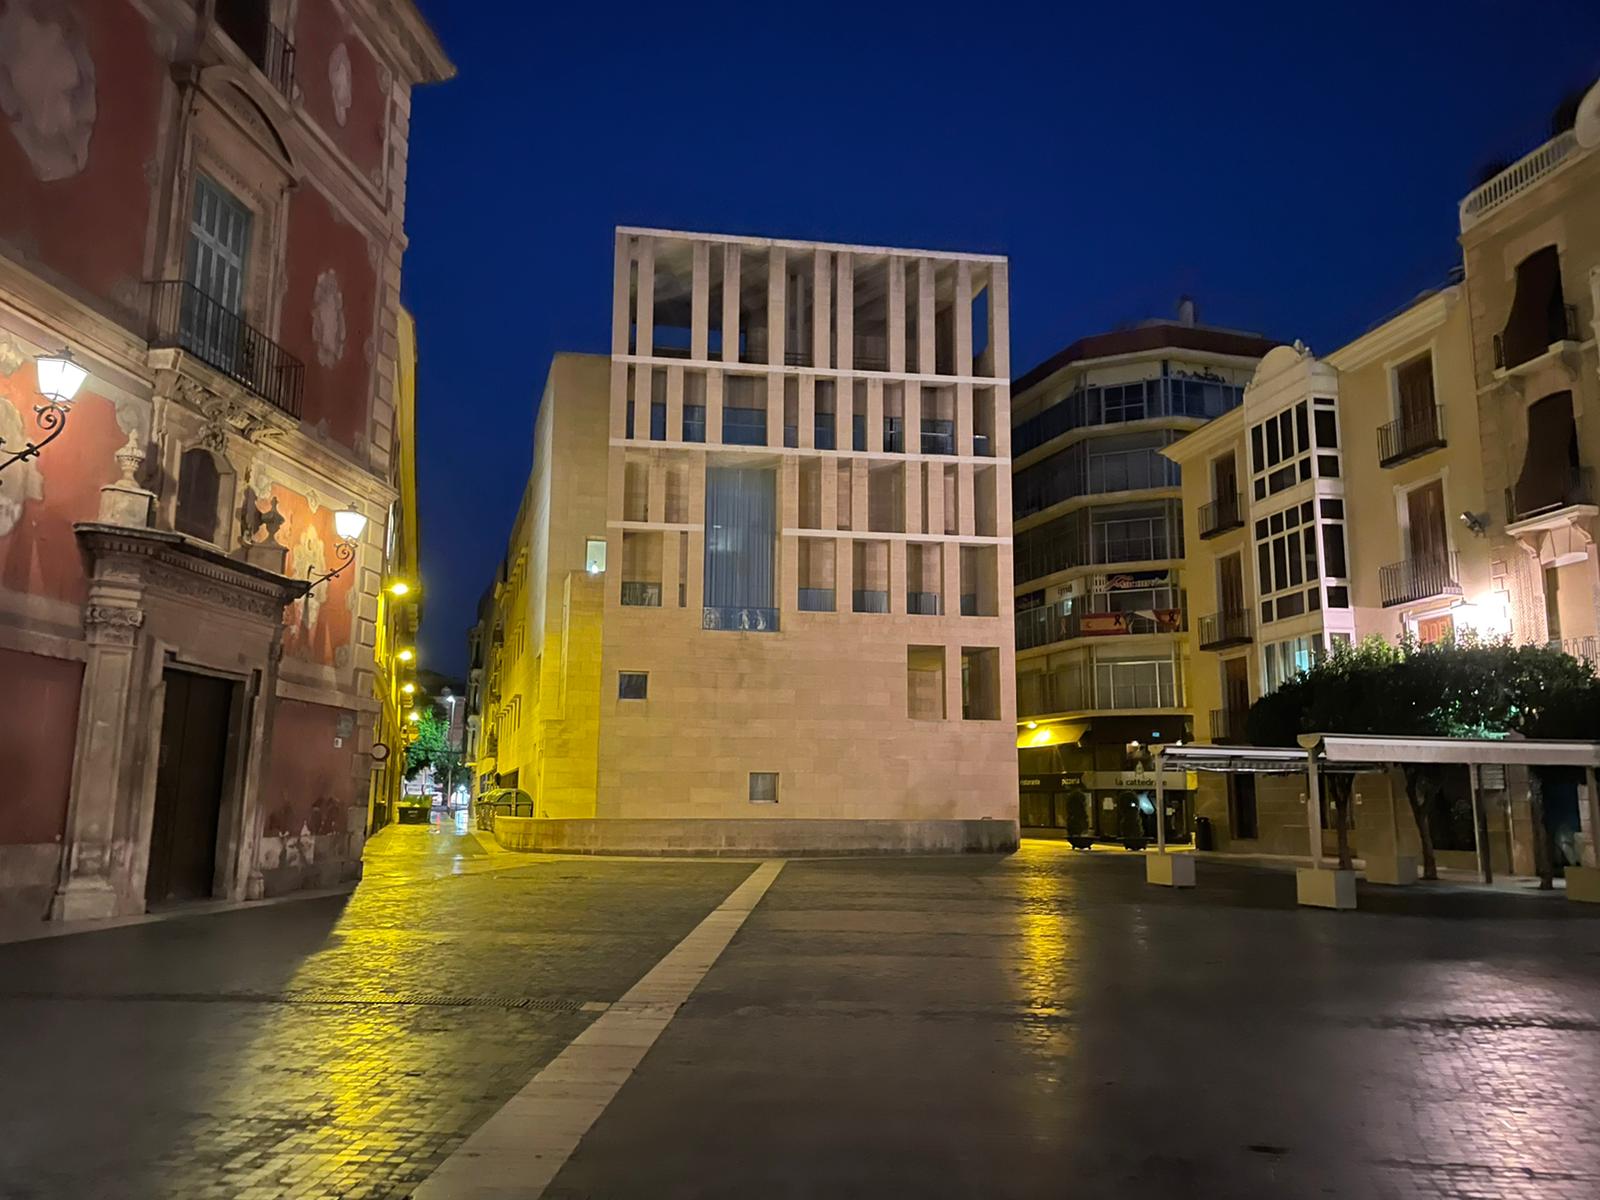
(60, 377)
(348, 524)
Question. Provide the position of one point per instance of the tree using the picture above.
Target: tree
(429, 748)
(1454, 688)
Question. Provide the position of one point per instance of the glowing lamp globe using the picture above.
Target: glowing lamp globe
(60, 377)
(399, 588)
(348, 524)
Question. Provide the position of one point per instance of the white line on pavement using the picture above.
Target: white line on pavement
(517, 1152)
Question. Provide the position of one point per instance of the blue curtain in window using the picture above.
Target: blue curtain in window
(741, 542)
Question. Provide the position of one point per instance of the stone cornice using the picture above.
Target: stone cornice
(174, 563)
(1213, 435)
(1422, 318)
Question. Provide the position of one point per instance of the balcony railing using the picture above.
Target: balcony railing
(1517, 177)
(247, 23)
(1578, 490)
(797, 358)
(969, 604)
(925, 604)
(869, 600)
(183, 317)
(1060, 622)
(816, 599)
(740, 620)
(1414, 579)
(1586, 649)
(1563, 327)
(1231, 627)
(1228, 725)
(1414, 434)
(1222, 514)
(639, 594)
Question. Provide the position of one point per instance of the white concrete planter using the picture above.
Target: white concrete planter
(1169, 870)
(1583, 884)
(1320, 887)
(1400, 871)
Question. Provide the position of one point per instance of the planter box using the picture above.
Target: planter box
(1169, 870)
(1583, 884)
(1319, 887)
(1400, 871)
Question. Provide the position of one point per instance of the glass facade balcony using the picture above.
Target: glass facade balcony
(1173, 396)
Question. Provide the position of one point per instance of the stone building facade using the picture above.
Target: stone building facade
(756, 595)
(203, 203)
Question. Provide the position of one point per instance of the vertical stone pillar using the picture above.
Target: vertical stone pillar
(963, 321)
(621, 294)
(777, 293)
(821, 309)
(674, 404)
(926, 326)
(700, 301)
(1000, 319)
(874, 415)
(897, 576)
(896, 348)
(806, 413)
(844, 359)
(645, 312)
(730, 303)
(96, 854)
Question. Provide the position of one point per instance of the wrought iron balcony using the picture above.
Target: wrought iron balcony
(1414, 579)
(1228, 725)
(248, 23)
(1563, 327)
(1231, 627)
(1412, 435)
(1222, 514)
(184, 318)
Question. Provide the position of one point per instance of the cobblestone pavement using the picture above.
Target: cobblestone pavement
(1050, 1026)
(335, 1047)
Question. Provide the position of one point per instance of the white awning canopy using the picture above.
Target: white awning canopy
(1354, 754)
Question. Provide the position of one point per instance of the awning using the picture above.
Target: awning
(1340, 748)
(1232, 760)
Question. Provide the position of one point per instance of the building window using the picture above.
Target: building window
(633, 685)
(1135, 683)
(1282, 449)
(1288, 574)
(1288, 658)
(763, 787)
(199, 492)
(594, 556)
(219, 241)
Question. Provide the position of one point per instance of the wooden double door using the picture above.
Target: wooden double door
(190, 782)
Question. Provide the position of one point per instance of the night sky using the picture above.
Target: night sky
(1294, 167)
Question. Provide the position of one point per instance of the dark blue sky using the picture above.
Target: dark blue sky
(1295, 167)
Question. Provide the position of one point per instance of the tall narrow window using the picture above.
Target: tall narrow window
(219, 240)
(199, 489)
(741, 540)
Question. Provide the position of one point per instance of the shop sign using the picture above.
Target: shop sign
(1064, 781)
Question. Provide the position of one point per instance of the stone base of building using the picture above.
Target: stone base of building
(1583, 883)
(740, 838)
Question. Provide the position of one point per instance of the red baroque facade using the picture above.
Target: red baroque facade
(202, 200)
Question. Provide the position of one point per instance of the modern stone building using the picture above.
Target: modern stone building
(1430, 478)
(203, 203)
(1100, 588)
(754, 597)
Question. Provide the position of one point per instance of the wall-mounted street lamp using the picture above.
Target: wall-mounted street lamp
(60, 377)
(399, 588)
(408, 688)
(406, 655)
(348, 524)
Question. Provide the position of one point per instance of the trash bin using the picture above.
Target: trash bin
(1202, 833)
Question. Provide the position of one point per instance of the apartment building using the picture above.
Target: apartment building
(763, 544)
(1098, 574)
(203, 205)
(1430, 478)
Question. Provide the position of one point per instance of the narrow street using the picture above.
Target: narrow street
(1022, 1026)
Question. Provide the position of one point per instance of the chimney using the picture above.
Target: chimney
(1187, 312)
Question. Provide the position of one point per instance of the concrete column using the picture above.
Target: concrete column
(952, 683)
(700, 301)
(858, 495)
(966, 523)
(934, 473)
(950, 577)
(911, 419)
(697, 538)
(925, 315)
(807, 412)
(911, 475)
(621, 293)
(843, 574)
(713, 413)
(964, 420)
(774, 384)
(730, 303)
(777, 295)
(645, 311)
(829, 465)
(669, 568)
(874, 414)
(643, 390)
(674, 404)
(897, 314)
(1000, 319)
(897, 576)
(1002, 420)
(619, 398)
(963, 321)
(821, 308)
(845, 358)
(656, 487)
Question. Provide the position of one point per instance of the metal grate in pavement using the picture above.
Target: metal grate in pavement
(405, 999)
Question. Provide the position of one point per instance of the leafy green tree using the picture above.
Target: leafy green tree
(1454, 688)
(429, 747)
